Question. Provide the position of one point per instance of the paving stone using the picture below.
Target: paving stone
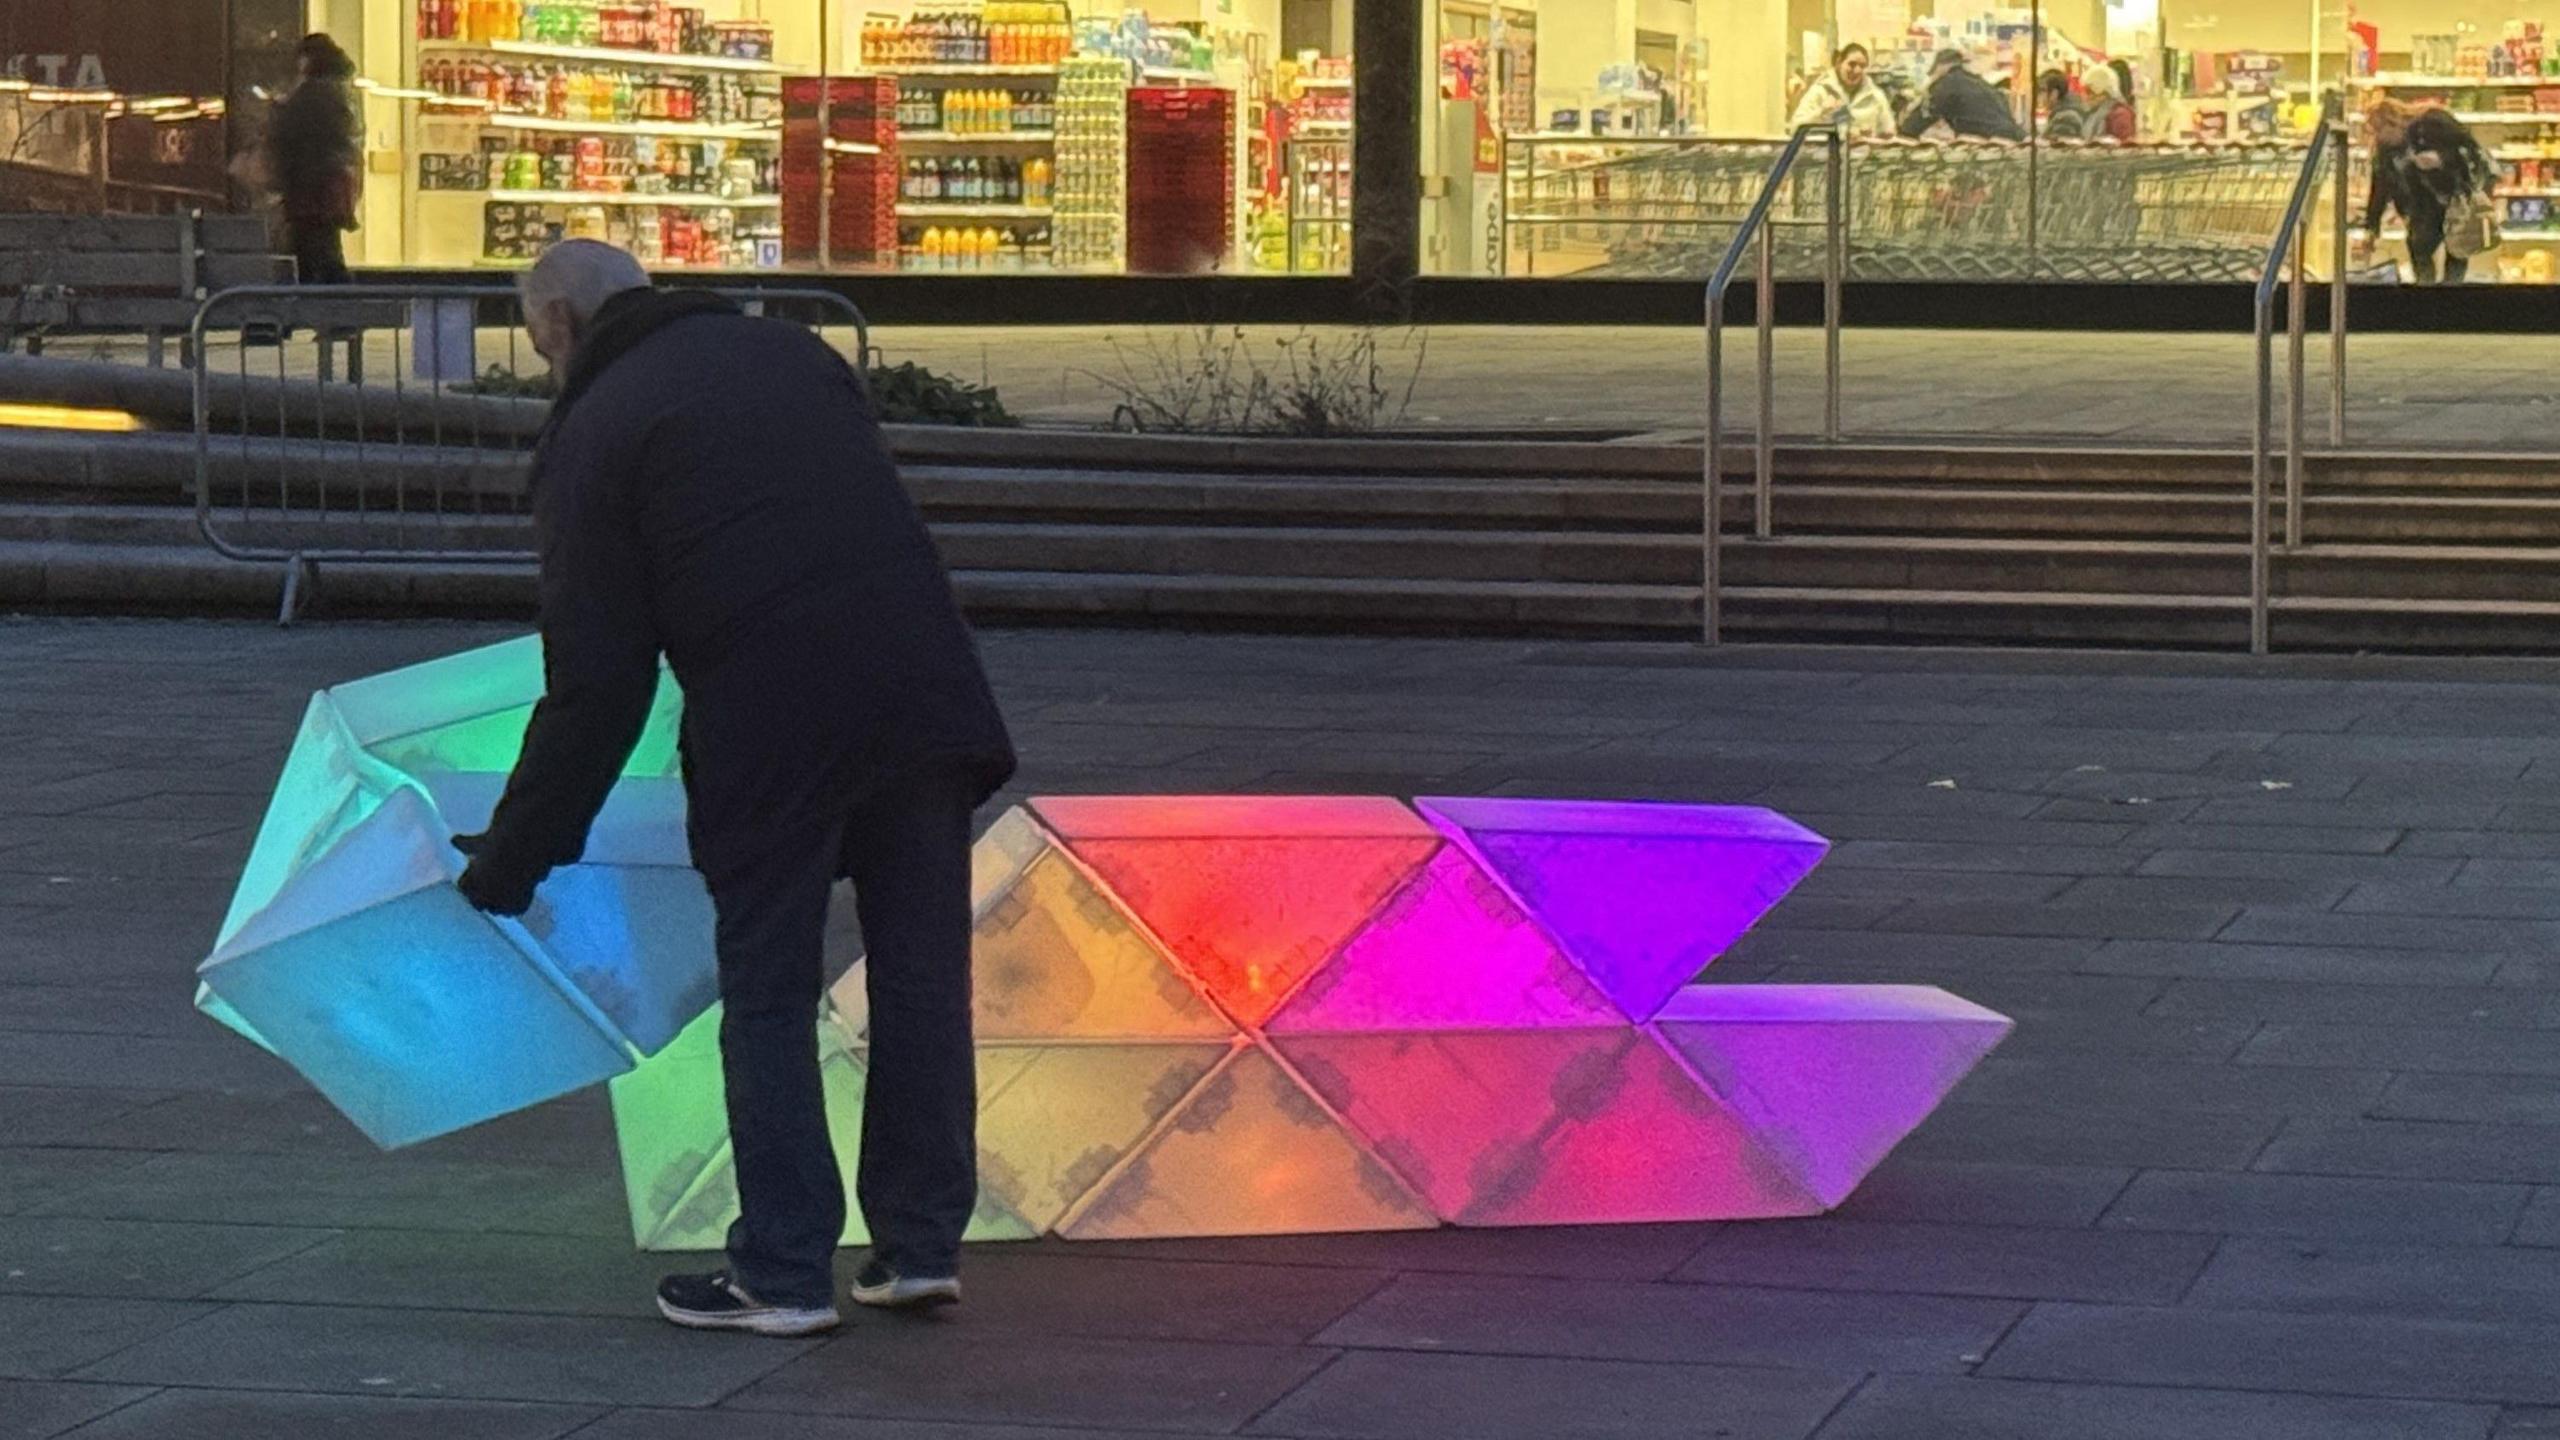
(332, 1417)
(2280, 838)
(2083, 1037)
(2065, 919)
(731, 1423)
(2397, 932)
(950, 1371)
(2485, 902)
(2011, 858)
(2541, 1223)
(45, 1337)
(2262, 891)
(1936, 1407)
(380, 1192)
(142, 1062)
(2262, 1350)
(1586, 1252)
(574, 1132)
(402, 1269)
(2287, 808)
(2471, 1049)
(37, 1409)
(2139, 1139)
(2516, 1153)
(463, 1355)
(2095, 1083)
(1941, 954)
(2401, 866)
(2451, 1282)
(2307, 1003)
(2522, 845)
(1674, 1324)
(2319, 964)
(2474, 1099)
(2519, 1422)
(34, 1115)
(2319, 1207)
(100, 1010)
(69, 1255)
(1064, 1291)
(1472, 1397)
(2001, 1261)
(1906, 1189)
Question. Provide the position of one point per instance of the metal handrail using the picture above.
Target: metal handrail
(1755, 226)
(2288, 247)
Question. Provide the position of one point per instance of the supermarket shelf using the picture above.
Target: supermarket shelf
(1320, 82)
(970, 210)
(962, 72)
(2499, 117)
(603, 55)
(2528, 192)
(2405, 80)
(2523, 152)
(1314, 128)
(1178, 77)
(637, 198)
(990, 137)
(2505, 233)
(669, 129)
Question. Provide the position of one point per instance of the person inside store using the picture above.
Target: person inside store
(1962, 101)
(2426, 165)
(2104, 115)
(315, 159)
(2061, 110)
(1845, 93)
(714, 488)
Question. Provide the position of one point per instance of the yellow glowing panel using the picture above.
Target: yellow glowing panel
(68, 417)
(1069, 1112)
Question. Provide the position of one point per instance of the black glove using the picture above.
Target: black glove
(491, 887)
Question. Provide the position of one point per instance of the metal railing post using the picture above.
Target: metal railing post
(1764, 458)
(2260, 581)
(2344, 139)
(1835, 264)
(1719, 284)
(2288, 245)
(1711, 528)
(2297, 318)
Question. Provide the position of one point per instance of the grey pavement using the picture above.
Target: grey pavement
(2274, 1151)
(2418, 392)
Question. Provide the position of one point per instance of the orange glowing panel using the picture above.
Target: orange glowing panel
(1249, 894)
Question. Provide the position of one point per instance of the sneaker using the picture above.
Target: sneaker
(716, 1302)
(885, 1288)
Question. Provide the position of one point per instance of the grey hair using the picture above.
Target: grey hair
(582, 274)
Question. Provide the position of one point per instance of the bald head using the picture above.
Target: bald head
(567, 286)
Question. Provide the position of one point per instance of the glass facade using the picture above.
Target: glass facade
(2064, 139)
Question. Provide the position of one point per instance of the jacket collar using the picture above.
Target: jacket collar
(620, 326)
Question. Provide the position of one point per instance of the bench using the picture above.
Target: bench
(123, 274)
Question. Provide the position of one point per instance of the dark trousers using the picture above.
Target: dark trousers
(319, 251)
(2426, 236)
(906, 849)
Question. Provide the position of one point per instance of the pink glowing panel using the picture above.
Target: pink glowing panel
(1248, 894)
(1643, 896)
(1830, 1077)
(1451, 950)
(1548, 1127)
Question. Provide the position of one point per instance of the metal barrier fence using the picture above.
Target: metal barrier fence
(1916, 210)
(416, 449)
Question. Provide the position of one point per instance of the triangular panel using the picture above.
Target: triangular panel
(1069, 1114)
(1246, 1153)
(1643, 897)
(1831, 1077)
(1547, 1127)
(1450, 950)
(1249, 894)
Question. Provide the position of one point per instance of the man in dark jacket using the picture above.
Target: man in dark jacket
(715, 488)
(1965, 101)
(315, 160)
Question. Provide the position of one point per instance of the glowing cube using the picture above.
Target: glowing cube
(349, 954)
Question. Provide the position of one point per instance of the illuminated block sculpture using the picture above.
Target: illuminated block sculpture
(1241, 1015)
(348, 952)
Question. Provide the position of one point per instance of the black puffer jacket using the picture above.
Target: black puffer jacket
(314, 144)
(715, 488)
(2421, 192)
(1969, 105)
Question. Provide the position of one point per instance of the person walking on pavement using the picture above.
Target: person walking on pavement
(715, 488)
(315, 160)
(1964, 102)
(1844, 92)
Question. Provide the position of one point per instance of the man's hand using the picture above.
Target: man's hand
(492, 889)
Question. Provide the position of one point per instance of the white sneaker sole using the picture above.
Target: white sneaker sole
(908, 1294)
(782, 1324)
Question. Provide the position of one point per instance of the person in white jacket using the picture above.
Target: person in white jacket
(1845, 88)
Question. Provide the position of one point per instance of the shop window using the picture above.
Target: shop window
(1003, 136)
